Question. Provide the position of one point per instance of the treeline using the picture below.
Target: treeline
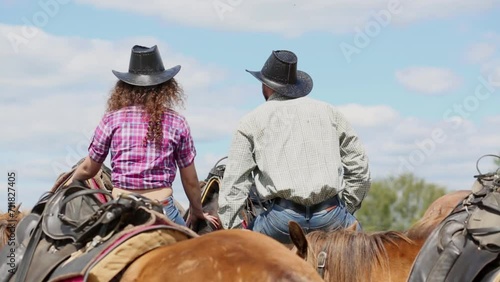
(395, 203)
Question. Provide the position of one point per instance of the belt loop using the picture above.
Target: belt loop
(308, 213)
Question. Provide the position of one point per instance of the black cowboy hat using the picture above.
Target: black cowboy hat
(280, 74)
(146, 68)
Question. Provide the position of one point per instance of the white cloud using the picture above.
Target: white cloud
(495, 76)
(54, 93)
(480, 52)
(439, 152)
(369, 116)
(428, 80)
(495, 120)
(54, 90)
(59, 85)
(429, 9)
(294, 17)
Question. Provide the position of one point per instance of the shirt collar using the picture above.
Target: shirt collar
(278, 97)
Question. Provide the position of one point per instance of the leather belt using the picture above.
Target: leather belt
(327, 204)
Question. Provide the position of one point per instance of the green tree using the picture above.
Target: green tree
(395, 203)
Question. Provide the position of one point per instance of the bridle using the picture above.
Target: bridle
(320, 266)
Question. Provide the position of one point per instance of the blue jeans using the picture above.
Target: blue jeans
(172, 212)
(274, 222)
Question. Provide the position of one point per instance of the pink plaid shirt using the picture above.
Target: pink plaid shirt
(136, 165)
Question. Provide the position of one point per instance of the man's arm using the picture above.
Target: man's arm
(355, 164)
(237, 181)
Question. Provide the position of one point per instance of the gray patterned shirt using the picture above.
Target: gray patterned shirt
(301, 149)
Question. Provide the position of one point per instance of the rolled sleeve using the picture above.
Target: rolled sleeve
(101, 141)
(186, 151)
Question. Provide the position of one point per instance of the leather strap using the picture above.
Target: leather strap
(86, 191)
(22, 271)
(329, 203)
(446, 260)
(320, 268)
(483, 231)
(5, 268)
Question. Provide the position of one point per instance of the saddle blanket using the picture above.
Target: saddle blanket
(107, 260)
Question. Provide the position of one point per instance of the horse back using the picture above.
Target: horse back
(225, 255)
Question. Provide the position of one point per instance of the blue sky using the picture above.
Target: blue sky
(416, 72)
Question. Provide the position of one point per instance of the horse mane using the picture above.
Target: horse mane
(359, 253)
(424, 227)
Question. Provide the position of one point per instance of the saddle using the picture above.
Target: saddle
(465, 246)
(72, 233)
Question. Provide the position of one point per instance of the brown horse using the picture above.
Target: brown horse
(378, 256)
(435, 213)
(225, 255)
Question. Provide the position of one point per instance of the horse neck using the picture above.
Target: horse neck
(401, 254)
(373, 257)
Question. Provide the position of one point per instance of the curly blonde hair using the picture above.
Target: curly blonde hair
(155, 100)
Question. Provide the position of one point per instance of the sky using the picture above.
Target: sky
(418, 80)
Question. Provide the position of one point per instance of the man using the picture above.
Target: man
(299, 153)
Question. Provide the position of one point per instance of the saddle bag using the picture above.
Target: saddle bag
(472, 230)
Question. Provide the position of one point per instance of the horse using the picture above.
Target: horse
(7, 221)
(233, 255)
(376, 256)
(225, 255)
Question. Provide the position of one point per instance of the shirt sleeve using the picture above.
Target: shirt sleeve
(101, 141)
(355, 165)
(235, 186)
(186, 151)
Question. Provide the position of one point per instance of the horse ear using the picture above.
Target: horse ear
(353, 227)
(298, 238)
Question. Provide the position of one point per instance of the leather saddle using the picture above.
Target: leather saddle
(71, 222)
(466, 244)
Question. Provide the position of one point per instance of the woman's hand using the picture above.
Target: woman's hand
(195, 218)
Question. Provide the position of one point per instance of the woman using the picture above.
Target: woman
(147, 139)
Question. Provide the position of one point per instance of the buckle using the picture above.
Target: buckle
(321, 259)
